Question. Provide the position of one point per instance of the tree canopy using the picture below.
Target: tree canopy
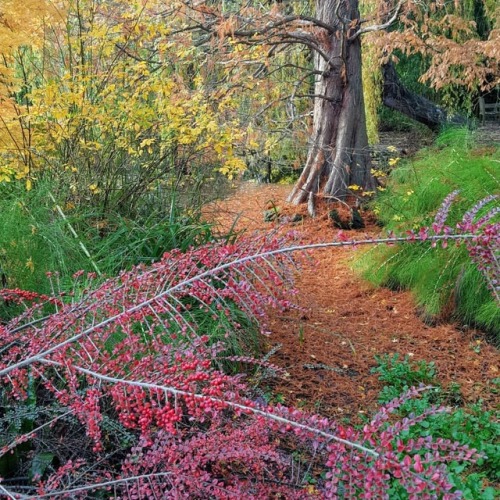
(115, 94)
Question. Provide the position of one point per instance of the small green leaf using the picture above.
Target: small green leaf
(40, 463)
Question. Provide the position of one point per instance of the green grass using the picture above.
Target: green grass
(34, 239)
(445, 283)
(128, 242)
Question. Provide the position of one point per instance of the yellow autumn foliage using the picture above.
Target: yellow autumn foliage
(105, 99)
(372, 77)
(21, 25)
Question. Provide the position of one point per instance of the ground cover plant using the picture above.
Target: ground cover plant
(127, 369)
(451, 286)
(466, 424)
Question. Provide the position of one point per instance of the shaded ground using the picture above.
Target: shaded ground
(488, 133)
(328, 349)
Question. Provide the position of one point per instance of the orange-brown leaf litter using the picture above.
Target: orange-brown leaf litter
(328, 346)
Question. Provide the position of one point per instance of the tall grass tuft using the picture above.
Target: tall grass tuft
(445, 282)
(128, 242)
(40, 233)
(34, 239)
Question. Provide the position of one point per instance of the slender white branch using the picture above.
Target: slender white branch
(26, 436)
(245, 408)
(183, 284)
(9, 494)
(379, 27)
(96, 486)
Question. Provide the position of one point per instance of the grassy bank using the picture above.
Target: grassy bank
(446, 284)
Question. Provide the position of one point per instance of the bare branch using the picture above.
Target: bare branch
(379, 27)
(232, 404)
(96, 486)
(307, 20)
(10, 494)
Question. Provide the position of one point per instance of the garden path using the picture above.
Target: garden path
(328, 347)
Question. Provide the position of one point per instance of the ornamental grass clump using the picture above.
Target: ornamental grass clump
(448, 284)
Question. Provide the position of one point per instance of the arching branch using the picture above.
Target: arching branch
(396, 96)
(379, 27)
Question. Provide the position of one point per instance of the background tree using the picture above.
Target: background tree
(455, 49)
(338, 153)
(196, 66)
(21, 25)
(106, 106)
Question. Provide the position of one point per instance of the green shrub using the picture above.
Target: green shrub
(400, 375)
(444, 281)
(470, 425)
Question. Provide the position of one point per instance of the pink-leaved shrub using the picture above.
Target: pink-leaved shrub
(128, 397)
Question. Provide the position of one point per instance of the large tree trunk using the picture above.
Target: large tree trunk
(396, 96)
(338, 154)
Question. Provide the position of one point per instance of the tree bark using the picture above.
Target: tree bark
(338, 153)
(396, 96)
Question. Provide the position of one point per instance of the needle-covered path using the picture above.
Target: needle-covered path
(328, 347)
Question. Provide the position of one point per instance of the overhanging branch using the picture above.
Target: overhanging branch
(379, 27)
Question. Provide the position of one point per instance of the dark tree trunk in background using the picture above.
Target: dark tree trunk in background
(338, 154)
(396, 96)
